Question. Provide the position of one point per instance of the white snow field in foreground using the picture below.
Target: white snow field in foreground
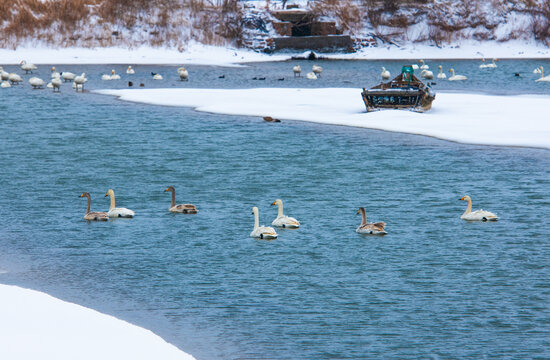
(34, 325)
(466, 118)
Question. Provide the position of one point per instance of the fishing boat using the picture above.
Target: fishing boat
(405, 91)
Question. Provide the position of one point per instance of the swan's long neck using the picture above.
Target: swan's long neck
(541, 72)
(112, 196)
(453, 72)
(256, 220)
(88, 207)
(469, 208)
(363, 217)
(280, 204)
(173, 198)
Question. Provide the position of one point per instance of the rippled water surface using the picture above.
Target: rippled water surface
(434, 287)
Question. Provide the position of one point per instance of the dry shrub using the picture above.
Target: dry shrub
(349, 16)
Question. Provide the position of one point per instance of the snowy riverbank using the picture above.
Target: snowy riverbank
(34, 325)
(465, 118)
(199, 54)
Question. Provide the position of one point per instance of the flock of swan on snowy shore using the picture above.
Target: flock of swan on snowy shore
(57, 78)
(281, 221)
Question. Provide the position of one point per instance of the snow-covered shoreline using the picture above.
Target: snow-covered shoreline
(465, 118)
(198, 54)
(35, 325)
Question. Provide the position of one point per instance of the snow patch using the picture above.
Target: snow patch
(465, 118)
(35, 325)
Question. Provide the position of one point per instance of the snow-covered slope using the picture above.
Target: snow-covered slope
(34, 325)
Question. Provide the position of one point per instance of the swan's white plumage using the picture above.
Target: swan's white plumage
(27, 66)
(262, 232)
(492, 65)
(130, 70)
(5, 84)
(68, 76)
(15, 78)
(36, 82)
(478, 215)
(183, 74)
(385, 73)
(157, 77)
(115, 212)
(542, 77)
(282, 220)
(4, 75)
(297, 69)
(455, 77)
(311, 76)
(441, 74)
(114, 76)
(427, 74)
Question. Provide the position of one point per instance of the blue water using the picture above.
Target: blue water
(434, 287)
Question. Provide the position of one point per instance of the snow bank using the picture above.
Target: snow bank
(34, 325)
(466, 118)
(199, 54)
(463, 50)
(195, 54)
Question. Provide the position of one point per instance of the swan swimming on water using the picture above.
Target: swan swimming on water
(427, 74)
(441, 74)
(542, 77)
(96, 215)
(283, 220)
(5, 84)
(385, 74)
(377, 228)
(180, 208)
(478, 215)
(130, 71)
(456, 77)
(4, 75)
(262, 232)
(311, 76)
(115, 212)
(423, 66)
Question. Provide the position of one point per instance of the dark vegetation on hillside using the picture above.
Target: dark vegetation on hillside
(174, 23)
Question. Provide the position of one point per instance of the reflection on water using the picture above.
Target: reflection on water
(435, 286)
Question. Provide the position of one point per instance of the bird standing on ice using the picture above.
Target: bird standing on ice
(297, 70)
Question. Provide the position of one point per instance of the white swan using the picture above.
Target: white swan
(4, 75)
(283, 220)
(317, 70)
(377, 228)
(424, 66)
(105, 77)
(492, 65)
(414, 66)
(96, 215)
(15, 78)
(5, 84)
(56, 84)
(483, 64)
(79, 82)
(114, 76)
(36, 83)
(311, 76)
(115, 212)
(262, 232)
(180, 208)
(130, 71)
(67, 76)
(157, 77)
(542, 77)
(478, 215)
(536, 71)
(55, 74)
(183, 73)
(441, 74)
(456, 77)
(27, 66)
(297, 69)
(427, 74)
(385, 74)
